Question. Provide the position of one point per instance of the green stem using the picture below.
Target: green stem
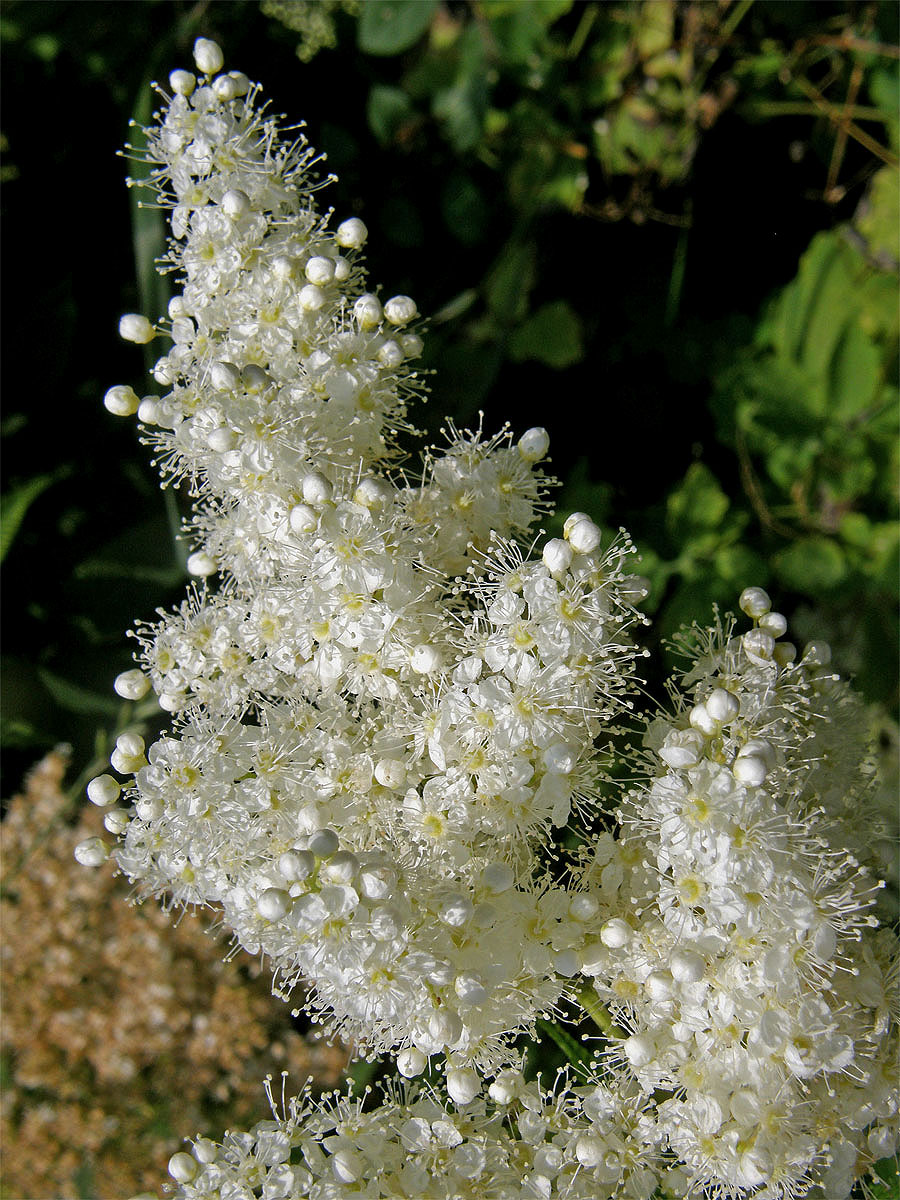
(575, 1053)
(587, 998)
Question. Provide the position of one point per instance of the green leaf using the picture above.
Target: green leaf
(811, 565)
(698, 503)
(77, 699)
(854, 374)
(885, 1181)
(552, 335)
(386, 110)
(392, 26)
(509, 282)
(879, 217)
(464, 208)
(15, 504)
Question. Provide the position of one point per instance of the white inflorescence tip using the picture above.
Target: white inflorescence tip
(92, 853)
(132, 685)
(136, 328)
(208, 56)
(122, 401)
(351, 234)
(534, 444)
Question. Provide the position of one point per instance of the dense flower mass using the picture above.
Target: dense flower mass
(389, 705)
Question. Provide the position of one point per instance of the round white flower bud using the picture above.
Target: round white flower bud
(132, 685)
(273, 904)
(367, 311)
(616, 933)
(687, 966)
(135, 328)
(116, 821)
(92, 853)
(425, 659)
(254, 378)
(200, 564)
(463, 1085)
(722, 706)
(320, 270)
(225, 88)
(390, 354)
(351, 234)
(565, 963)
(241, 82)
(372, 492)
(506, 1087)
(205, 1150)
(411, 1062)
(658, 985)
(342, 867)
(584, 536)
(182, 83)
(390, 773)
(294, 865)
(282, 266)
(412, 345)
(534, 444)
(445, 1028)
(323, 843)
(149, 410)
(774, 624)
(303, 518)
(183, 1167)
(317, 490)
(750, 769)
(122, 401)
(131, 745)
(341, 269)
(560, 759)
(311, 298)
(784, 653)
(236, 202)
(758, 646)
(208, 56)
(103, 790)
(573, 519)
(754, 602)
(557, 556)
(701, 720)
(400, 310)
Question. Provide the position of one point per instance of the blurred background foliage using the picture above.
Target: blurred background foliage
(667, 230)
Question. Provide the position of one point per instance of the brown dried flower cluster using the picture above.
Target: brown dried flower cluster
(122, 1030)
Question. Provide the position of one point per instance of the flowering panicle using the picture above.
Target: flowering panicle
(742, 961)
(376, 724)
(396, 696)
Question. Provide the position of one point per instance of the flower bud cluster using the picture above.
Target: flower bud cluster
(387, 708)
(742, 963)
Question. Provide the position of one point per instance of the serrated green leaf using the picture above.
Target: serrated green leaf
(552, 335)
(392, 26)
(15, 504)
(812, 564)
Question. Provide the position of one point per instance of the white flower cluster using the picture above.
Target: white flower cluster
(389, 706)
(743, 961)
(584, 1143)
